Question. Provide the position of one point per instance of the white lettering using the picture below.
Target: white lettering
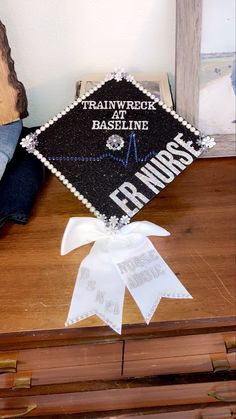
(168, 160)
(155, 179)
(173, 148)
(150, 180)
(96, 124)
(130, 191)
(187, 145)
(122, 204)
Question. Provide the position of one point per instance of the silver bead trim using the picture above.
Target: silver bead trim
(157, 300)
(106, 320)
(92, 313)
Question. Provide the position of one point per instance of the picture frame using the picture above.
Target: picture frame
(157, 84)
(188, 71)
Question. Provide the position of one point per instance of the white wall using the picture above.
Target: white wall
(218, 18)
(55, 42)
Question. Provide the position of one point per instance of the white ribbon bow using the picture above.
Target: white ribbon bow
(118, 259)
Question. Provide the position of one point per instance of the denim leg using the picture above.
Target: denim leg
(9, 135)
(20, 184)
(3, 163)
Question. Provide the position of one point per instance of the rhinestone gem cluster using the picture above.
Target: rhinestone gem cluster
(115, 142)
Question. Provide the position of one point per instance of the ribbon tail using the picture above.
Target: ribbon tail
(98, 290)
(147, 276)
(146, 228)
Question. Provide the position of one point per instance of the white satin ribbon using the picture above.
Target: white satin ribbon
(124, 258)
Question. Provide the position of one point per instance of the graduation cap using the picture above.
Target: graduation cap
(115, 148)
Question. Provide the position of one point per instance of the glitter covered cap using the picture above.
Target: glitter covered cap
(116, 147)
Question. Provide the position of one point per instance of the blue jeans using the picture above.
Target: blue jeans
(9, 135)
(20, 184)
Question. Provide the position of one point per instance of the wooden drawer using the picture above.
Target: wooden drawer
(176, 355)
(64, 364)
(226, 412)
(120, 398)
(222, 412)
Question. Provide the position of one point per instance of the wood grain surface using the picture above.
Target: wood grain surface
(66, 364)
(186, 354)
(199, 412)
(198, 208)
(188, 42)
(122, 398)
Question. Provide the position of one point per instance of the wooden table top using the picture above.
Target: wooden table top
(198, 208)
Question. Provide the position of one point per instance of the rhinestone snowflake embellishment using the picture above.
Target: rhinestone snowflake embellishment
(120, 74)
(115, 142)
(206, 142)
(124, 220)
(30, 142)
(114, 223)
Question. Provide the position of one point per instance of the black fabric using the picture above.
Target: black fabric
(19, 185)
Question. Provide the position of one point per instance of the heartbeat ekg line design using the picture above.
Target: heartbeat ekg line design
(132, 145)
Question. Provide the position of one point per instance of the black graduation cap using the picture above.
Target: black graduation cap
(116, 147)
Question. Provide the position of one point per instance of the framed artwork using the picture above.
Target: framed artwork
(157, 84)
(205, 69)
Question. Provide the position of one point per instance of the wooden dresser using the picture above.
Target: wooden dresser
(181, 366)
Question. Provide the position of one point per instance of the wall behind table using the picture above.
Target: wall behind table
(56, 42)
